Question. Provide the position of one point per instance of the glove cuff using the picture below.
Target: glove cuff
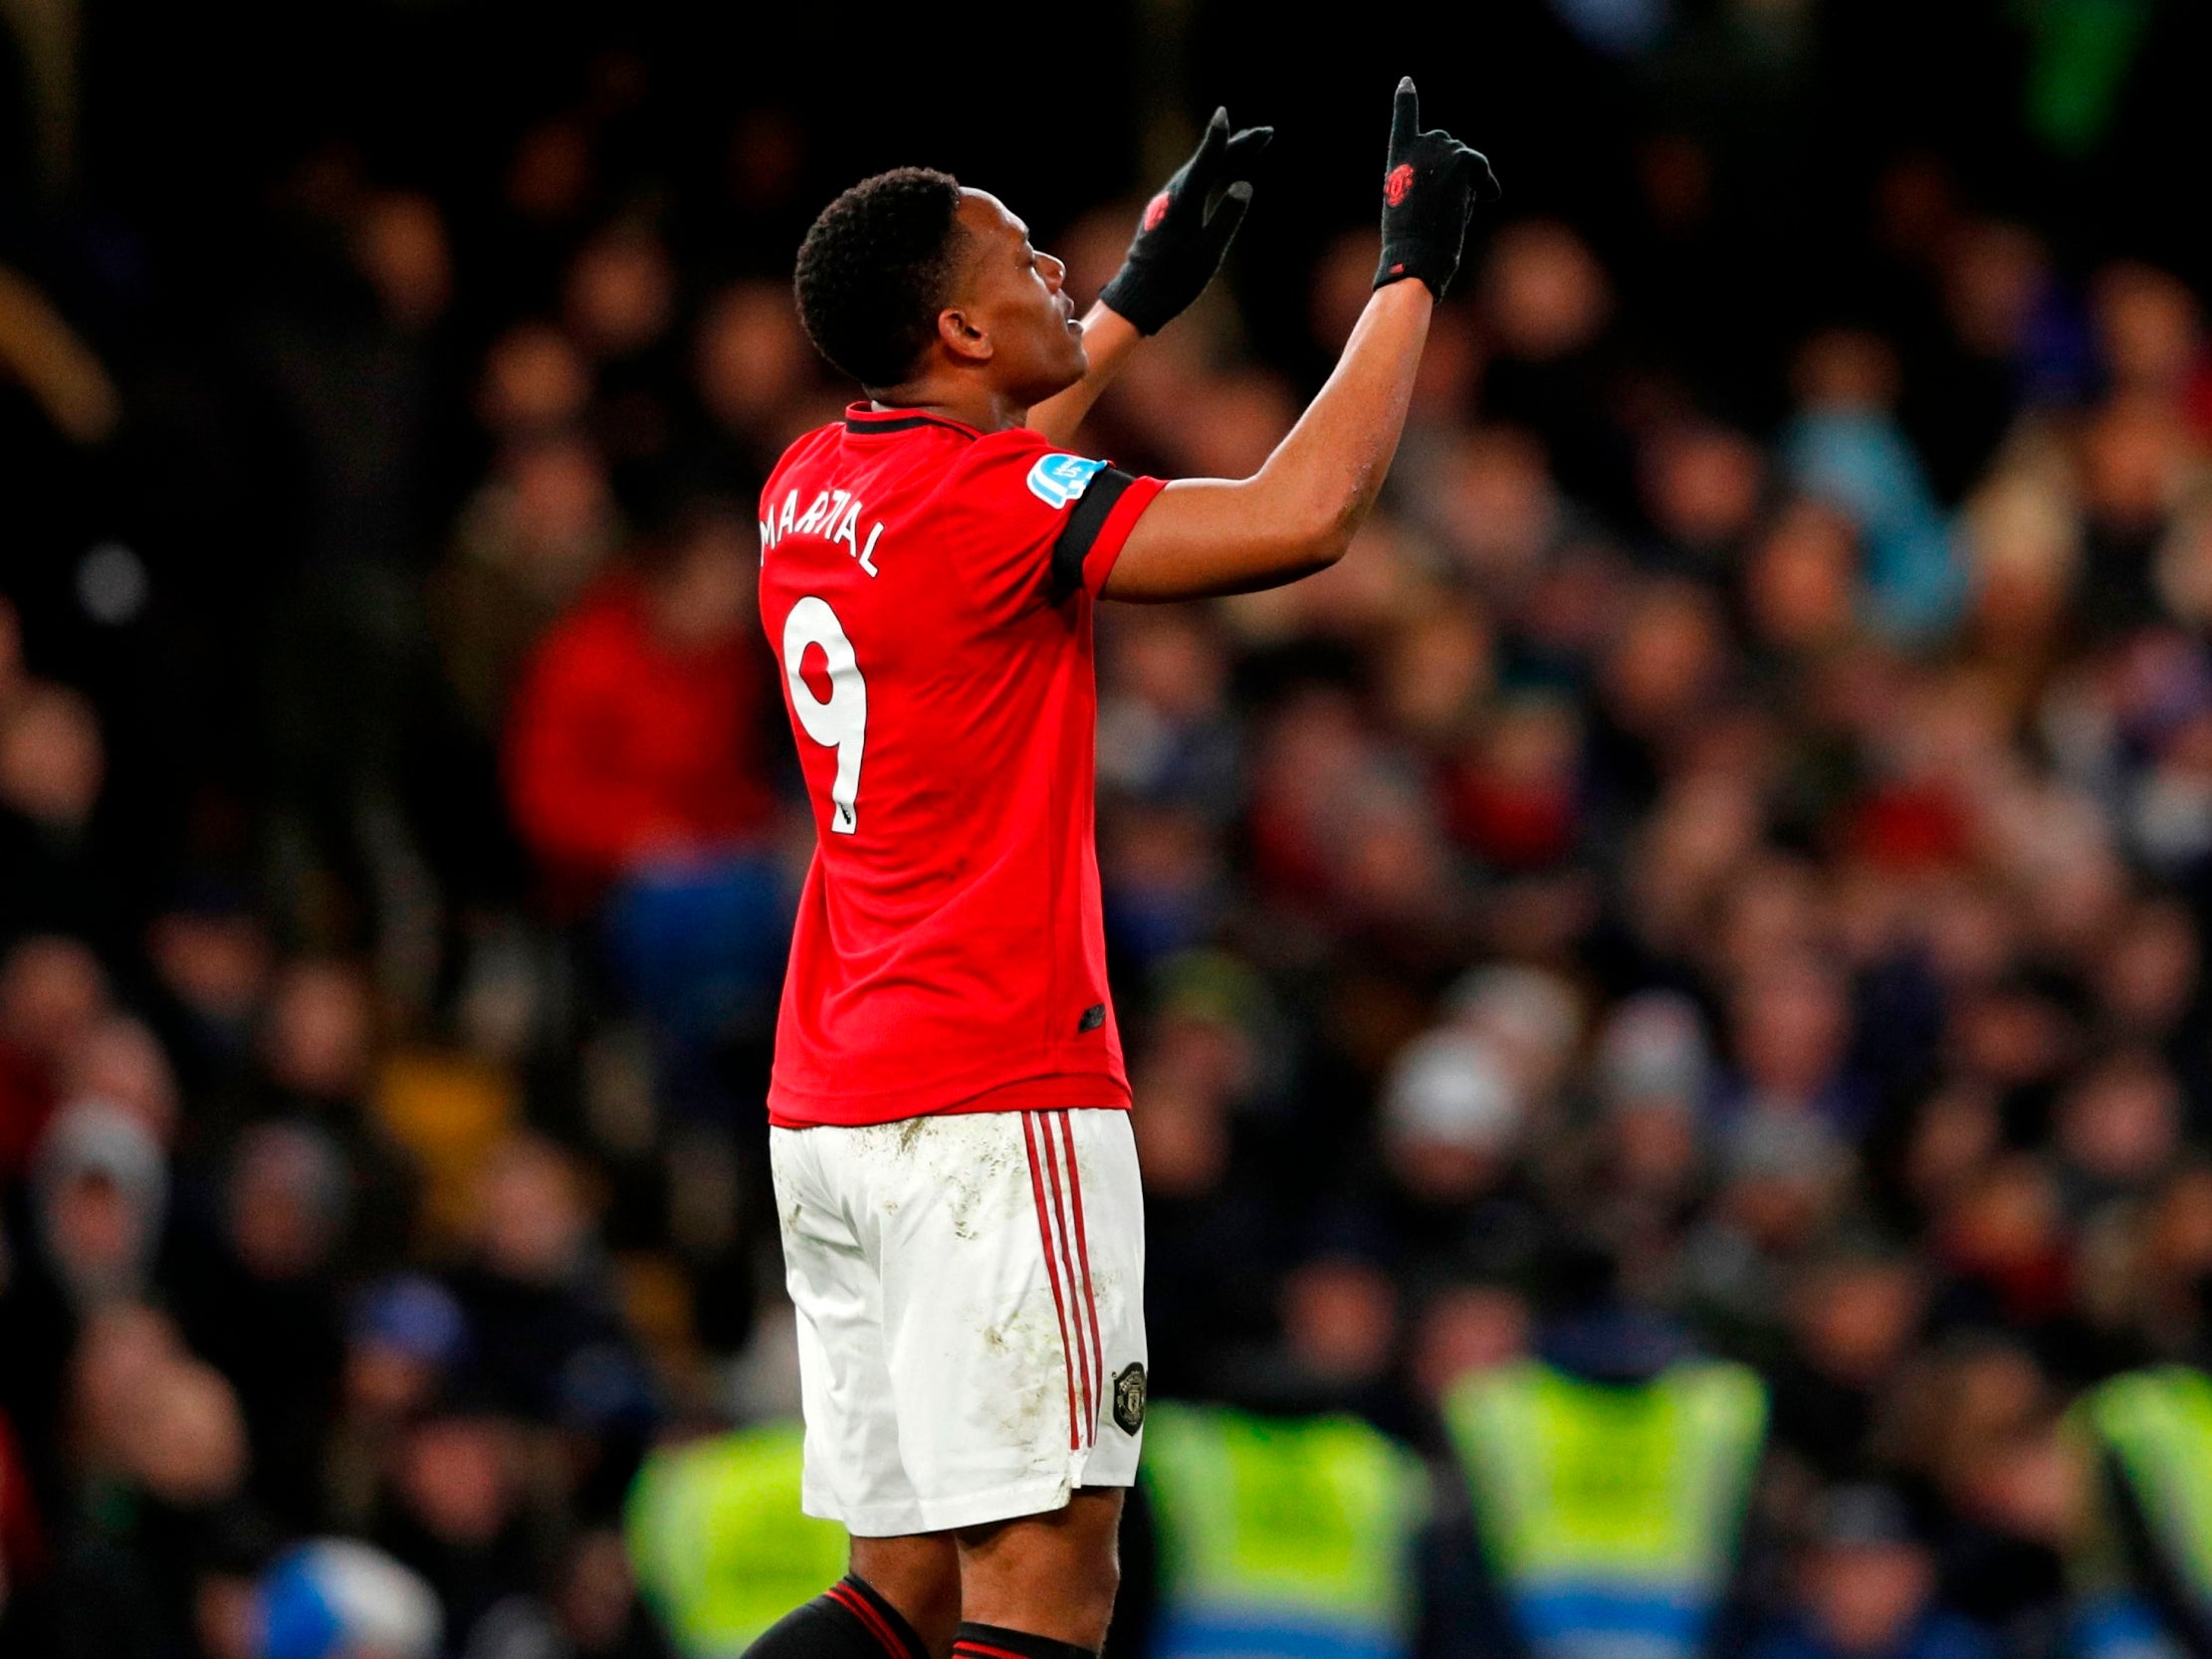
(1403, 263)
(1126, 295)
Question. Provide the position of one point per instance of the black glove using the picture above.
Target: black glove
(1179, 245)
(1430, 187)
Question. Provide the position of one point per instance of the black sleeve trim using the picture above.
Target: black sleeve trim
(1080, 534)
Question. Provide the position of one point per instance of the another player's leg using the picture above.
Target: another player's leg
(901, 1600)
(1041, 1587)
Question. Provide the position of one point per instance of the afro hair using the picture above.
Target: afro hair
(874, 269)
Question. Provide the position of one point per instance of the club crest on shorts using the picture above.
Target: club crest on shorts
(1129, 1398)
(1056, 480)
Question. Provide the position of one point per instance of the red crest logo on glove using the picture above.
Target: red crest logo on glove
(1401, 181)
(1154, 211)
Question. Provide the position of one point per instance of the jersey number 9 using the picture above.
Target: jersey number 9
(841, 723)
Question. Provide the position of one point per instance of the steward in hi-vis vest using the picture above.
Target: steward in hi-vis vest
(1610, 1509)
(2140, 1564)
(717, 1543)
(1280, 1537)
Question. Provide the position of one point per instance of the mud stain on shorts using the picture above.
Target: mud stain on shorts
(1030, 1379)
(979, 1197)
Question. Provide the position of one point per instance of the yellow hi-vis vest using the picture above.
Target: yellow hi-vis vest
(717, 1543)
(1610, 1514)
(2157, 1425)
(1280, 1537)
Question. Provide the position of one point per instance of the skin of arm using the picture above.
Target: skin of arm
(1206, 536)
(1108, 338)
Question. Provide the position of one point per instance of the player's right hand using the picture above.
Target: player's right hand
(1430, 183)
(1180, 244)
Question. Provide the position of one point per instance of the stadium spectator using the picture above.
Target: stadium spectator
(1866, 1587)
(639, 733)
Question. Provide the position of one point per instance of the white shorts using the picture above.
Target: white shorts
(970, 1313)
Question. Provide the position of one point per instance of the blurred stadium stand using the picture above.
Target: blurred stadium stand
(1689, 941)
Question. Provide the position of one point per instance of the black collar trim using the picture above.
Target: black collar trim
(860, 418)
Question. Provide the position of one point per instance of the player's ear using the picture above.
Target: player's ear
(961, 338)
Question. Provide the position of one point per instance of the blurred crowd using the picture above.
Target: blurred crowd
(1741, 813)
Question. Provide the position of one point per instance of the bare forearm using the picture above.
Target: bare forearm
(1299, 511)
(1108, 338)
(1330, 468)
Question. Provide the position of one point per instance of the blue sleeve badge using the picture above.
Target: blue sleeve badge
(1057, 479)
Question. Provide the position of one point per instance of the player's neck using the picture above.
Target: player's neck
(976, 406)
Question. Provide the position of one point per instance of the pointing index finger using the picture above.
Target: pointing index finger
(1211, 145)
(1405, 117)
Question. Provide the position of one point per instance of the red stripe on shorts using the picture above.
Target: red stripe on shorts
(981, 1650)
(1051, 1269)
(1067, 1257)
(1083, 1248)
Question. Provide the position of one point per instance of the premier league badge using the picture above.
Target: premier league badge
(1056, 480)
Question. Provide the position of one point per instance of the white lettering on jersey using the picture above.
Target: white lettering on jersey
(834, 514)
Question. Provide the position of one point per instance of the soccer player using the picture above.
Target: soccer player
(955, 1179)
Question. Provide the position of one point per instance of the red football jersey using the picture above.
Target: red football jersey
(928, 590)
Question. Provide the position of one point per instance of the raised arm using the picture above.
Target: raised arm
(1298, 512)
(1108, 338)
(1182, 238)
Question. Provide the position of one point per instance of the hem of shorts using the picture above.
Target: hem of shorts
(944, 1515)
(1076, 1092)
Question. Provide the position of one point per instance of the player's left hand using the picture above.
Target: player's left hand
(1180, 244)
